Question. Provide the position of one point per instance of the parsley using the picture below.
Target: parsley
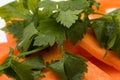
(66, 71)
(67, 18)
(107, 31)
(49, 33)
(46, 23)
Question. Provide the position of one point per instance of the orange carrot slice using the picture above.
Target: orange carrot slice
(90, 44)
(95, 73)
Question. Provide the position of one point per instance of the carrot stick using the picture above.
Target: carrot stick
(90, 44)
(55, 53)
(106, 68)
(95, 73)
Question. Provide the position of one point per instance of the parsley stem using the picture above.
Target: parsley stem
(31, 52)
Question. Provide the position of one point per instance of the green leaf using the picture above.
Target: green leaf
(58, 68)
(94, 2)
(107, 31)
(35, 62)
(23, 71)
(49, 33)
(48, 7)
(76, 31)
(28, 33)
(103, 29)
(13, 10)
(73, 5)
(30, 4)
(7, 62)
(67, 18)
(38, 74)
(16, 28)
(11, 73)
(76, 71)
(66, 71)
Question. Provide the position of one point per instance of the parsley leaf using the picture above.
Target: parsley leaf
(73, 5)
(107, 31)
(58, 68)
(36, 62)
(76, 31)
(76, 71)
(22, 70)
(66, 71)
(67, 18)
(30, 4)
(15, 28)
(28, 33)
(48, 7)
(13, 10)
(49, 33)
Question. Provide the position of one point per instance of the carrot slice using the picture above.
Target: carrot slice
(90, 44)
(95, 73)
(106, 68)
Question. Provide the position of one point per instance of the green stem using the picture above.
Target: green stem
(31, 52)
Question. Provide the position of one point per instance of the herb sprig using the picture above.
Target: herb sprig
(46, 23)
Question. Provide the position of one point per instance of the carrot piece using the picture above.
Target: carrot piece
(105, 7)
(108, 4)
(52, 53)
(4, 77)
(90, 44)
(95, 73)
(49, 75)
(82, 52)
(55, 53)
(106, 68)
(4, 51)
(5, 47)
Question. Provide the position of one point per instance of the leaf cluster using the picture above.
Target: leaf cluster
(107, 31)
(45, 23)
